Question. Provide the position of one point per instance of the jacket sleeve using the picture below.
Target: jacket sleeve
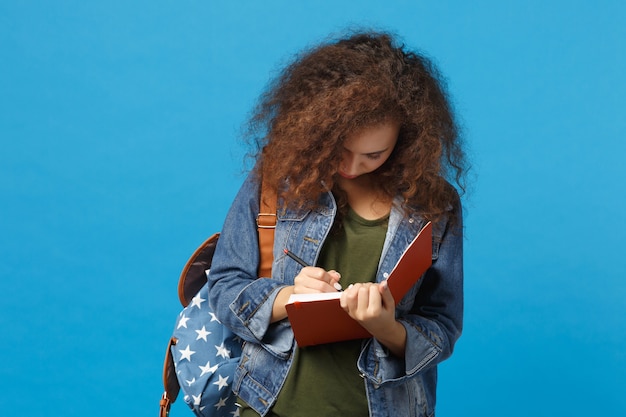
(242, 301)
(435, 321)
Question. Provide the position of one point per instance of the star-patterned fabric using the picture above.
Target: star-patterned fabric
(205, 357)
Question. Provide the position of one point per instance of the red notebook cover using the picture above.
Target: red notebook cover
(319, 318)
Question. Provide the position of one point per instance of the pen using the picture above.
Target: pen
(303, 264)
(295, 257)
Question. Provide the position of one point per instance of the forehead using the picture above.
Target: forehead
(373, 139)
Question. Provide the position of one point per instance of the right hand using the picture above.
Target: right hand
(312, 279)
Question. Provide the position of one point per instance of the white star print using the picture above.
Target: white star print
(183, 322)
(221, 382)
(197, 301)
(205, 389)
(186, 353)
(202, 333)
(221, 403)
(208, 369)
(222, 351)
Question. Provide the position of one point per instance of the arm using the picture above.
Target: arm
(242, 301)
(254, 308)
(434, 323)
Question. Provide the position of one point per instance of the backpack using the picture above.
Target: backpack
(202, 354)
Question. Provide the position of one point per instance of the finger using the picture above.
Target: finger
(363, 299)
(332, 277)
(349, 298)
(309, 280)
(335, 274)
(315, 279)
(386, 294)
(313, 272)
(375, 302)
(335, 277)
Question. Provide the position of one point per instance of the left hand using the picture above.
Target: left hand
(373, 307)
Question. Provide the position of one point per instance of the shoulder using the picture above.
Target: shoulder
(448, 217)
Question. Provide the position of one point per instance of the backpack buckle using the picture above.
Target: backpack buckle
(266, 220)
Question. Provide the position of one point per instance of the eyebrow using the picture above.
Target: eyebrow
(370, 153)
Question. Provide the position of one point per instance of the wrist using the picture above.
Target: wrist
(394, 339)
(279, 312)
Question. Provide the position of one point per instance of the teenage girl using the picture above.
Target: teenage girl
(357, 139)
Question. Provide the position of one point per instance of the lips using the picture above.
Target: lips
(350, 177)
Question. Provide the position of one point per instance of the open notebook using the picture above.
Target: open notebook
(318, 318)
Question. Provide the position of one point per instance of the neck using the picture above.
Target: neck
(367, 200)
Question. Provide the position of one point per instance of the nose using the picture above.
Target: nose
(348, 163)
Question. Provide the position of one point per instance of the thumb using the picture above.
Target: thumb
(386, 294)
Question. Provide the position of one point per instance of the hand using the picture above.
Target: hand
(373, 306)
(313, 280)
(310, 280)
(370, 304)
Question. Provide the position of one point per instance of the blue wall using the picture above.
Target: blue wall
(119, 123)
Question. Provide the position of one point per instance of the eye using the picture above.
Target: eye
(373, 156)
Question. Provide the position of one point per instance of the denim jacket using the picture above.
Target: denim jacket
(431, 311)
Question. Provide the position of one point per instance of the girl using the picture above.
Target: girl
(358, 141)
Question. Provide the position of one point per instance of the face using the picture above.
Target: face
(368, 150)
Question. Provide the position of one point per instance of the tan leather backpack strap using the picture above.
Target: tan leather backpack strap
(266, 222)
(170, 383)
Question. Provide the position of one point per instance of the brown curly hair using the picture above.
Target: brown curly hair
(341, 87)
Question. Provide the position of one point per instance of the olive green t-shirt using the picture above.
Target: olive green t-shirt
(324, 379)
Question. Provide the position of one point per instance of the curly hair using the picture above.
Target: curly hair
(340, 88)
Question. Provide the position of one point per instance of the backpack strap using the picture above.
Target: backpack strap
(170, 382)
(266, 224)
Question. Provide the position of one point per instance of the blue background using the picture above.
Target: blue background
(119, 155)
